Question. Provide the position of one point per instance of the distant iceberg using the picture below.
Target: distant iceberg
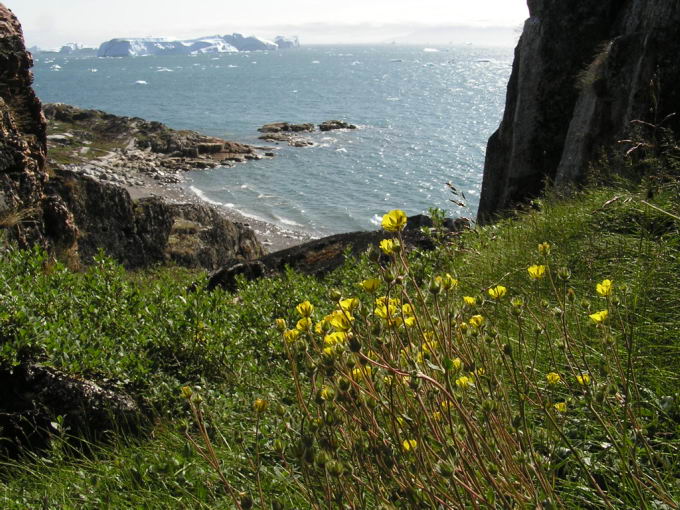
(141, 47)
(286, 43)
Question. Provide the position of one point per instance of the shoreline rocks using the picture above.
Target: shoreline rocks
(287, 132)
(118, 149)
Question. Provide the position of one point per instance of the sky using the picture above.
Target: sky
(52, 23)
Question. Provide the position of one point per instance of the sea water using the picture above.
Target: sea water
(424, 116)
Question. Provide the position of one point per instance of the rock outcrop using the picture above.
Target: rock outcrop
(22, 137)
(582, 72)
(149, 231)
(321, 256)
(331, 125)
(32, 396)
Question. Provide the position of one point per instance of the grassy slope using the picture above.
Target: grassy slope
(147, 334)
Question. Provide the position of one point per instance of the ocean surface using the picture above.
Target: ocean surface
(424, 117)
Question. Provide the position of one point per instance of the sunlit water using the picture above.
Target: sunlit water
(424, 120)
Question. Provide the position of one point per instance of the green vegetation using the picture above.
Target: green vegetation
(524, 395)
(83, 145)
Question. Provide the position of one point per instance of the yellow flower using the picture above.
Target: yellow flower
(476, 321)
(437, 416)
(409, 445)
(186, 392)
(381, 311)
(305, 309)
(327, 393)
(536, 272)
(387, 246)
(430, 346)
(457, 364)
(280, 325)
(553, 378)
(291, 335)
(349, 304)
(321, 326)
(409, 321)
(360, 373)
(394, 221)
(329, 351)
(544, 248)
(498, 292)
(335, 338)
(340, 321)
(260, 405)
(370, 285)
(561, 407)
(605, 288)
(583, 379)
(449, 282)
(599, 317)
(463, 382)
(407, 309)
(304, 324)
(469, 300)
(446, 405)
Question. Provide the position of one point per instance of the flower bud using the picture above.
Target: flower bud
(564, 273)
(281, 325)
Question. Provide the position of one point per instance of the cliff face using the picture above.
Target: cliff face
(22, 133)
(582, 72)
(75, 215)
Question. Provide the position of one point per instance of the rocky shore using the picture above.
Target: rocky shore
(288, 132)
(149, 160)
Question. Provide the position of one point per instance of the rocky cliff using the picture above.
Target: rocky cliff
(22, 136)
(76, 215)
(582, 72)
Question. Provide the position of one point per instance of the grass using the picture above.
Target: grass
(326, 435)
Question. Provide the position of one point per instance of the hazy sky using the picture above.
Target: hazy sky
(49, 23)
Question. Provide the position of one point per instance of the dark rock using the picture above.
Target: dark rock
(148, 231)
(226, 277)
(330, 125)
(322, 256)
(582, 72)
(23, 143)
(33, 396)
(286, 127)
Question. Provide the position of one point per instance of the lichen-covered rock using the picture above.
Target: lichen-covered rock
(22, 134)
(582, 72)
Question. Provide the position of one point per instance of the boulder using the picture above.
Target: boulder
(33, 396)
(321, 256)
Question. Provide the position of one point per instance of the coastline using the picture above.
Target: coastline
(272, 237)
(149, 159)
